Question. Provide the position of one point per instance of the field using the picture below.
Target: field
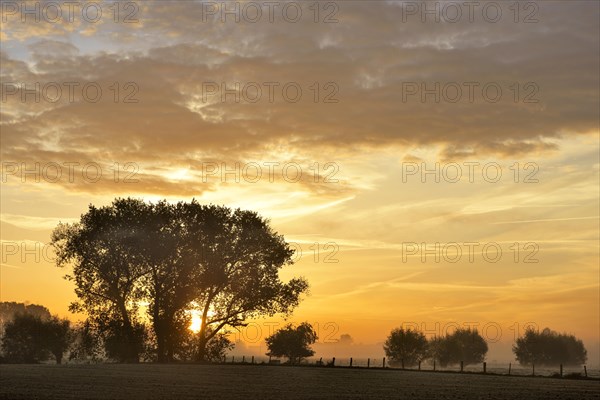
(151, 381)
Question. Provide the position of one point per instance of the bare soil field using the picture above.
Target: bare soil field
(190, 381)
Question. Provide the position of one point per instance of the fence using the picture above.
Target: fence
(382, 362)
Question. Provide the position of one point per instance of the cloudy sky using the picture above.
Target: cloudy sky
(432, 162)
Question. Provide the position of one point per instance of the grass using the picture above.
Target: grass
(187, 381)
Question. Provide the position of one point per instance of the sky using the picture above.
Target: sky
(434, 163)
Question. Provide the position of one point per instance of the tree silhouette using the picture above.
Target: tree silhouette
(465, 345)
(292, 342)
(406, 346)
(57, 337)
(238, 257)
(175, 257)
(549, 348)
(104, 251)
(30, 339)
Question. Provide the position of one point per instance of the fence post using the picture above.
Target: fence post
(461, 366)
(252, 359)
(243, 359)
(383, 362)
(484, 367)
(419, 365)
(434, 365)
(509, 366)
(533, 370)
(561, 371)
(232, 359)
(333, 362)
(350, 361)
(368, 362)
(403, 363)
(585, 370)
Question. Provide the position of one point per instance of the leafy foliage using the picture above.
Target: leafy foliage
(549, 348)
(465, 344)
(30, 339)
(292, 342)
(175, 257)
(407, 346)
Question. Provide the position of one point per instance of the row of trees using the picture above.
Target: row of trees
(163, 260)
(410, 347)
(31, 338)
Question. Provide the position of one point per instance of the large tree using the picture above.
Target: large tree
(175, 257)
(238, 257)
(103, 249)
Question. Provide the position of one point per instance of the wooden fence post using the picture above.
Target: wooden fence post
(484, 367)
(243, 359)
(561, 371)
(232, 359)
(509, 366)
(532, 369)
(383, 362)
(419, 365)
(368, 362)
(461, 366)
(350, 361)
(333, 362)
(252, 359)
(403, 363)
(434, 365)
(585, 370)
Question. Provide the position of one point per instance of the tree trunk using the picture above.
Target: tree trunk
(131, 353)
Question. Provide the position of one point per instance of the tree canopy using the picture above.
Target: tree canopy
(406, 346)
(221, 262)
(549, 348)
(464, 344)
(292, 342)
(29, 338)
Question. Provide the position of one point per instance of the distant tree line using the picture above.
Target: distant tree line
(410, 347)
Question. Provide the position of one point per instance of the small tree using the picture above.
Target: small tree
(465, 345)
(549, 348)
(30, 339)
(292, 342)
(23, 340)
(217, 347)
(57, 337)
(406, 346)
(86, 344)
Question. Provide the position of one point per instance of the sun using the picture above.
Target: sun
(196, 323)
